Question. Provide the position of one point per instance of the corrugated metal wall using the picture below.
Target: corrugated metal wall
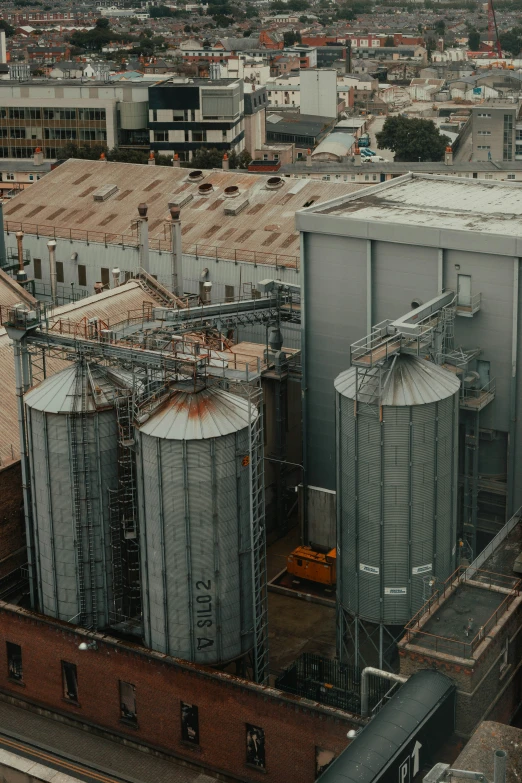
(194, 507)
(53, 511)
(396, 505)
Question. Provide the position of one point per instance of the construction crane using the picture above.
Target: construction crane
(493, 31)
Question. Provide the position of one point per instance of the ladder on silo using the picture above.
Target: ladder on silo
(86, 380)
(78, 527)
(258, 536)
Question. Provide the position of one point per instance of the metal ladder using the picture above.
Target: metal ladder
(80, 566)
(88, 501)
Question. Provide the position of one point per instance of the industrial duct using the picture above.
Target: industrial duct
(52, 269)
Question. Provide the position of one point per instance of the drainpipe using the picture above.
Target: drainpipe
(499, 768)
(365, 691)
(52, 269)
(21, 275)
(3, 259)
(177, 251)
(143, 236)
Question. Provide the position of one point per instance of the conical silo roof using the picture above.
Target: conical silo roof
(412, 381)
(56, 394)
(209, 413)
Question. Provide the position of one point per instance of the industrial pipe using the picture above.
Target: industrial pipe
(499, 769)
(177, 251)
(21, 275)
(365, 692)
(52, 269)
(143, 236)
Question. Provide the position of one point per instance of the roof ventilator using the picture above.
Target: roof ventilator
(273, 183)
(195, 176)
(105, 192)
(180, 201)
(231, 192)
(205, 189)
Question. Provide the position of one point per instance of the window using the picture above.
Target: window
(255, 746)
(128, 703)
(504, 660)
(82, 274)
(18, 133)
(31, 177)
(35, 114)
(508, 137)
(199, 135)
(511, 176)
(482, 147)
(14, 661)
(105, 278)
(161, 135)
(189, 723)
(59, 272)
(483, 116)
(10, 177)
(37, 268)
(483, 133)
(265, 156)
(70, 681)
(229, 293)
(488, 176)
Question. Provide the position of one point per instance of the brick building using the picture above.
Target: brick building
(164, 704)
(470, 630)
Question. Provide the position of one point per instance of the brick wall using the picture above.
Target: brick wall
(293, 727)
(12, 527)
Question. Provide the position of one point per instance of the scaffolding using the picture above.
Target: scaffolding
(137, 377)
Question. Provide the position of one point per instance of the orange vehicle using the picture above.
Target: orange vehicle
(305, 563)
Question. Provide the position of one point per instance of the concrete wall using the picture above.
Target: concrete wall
(293, 727)
(12, 525)
(319, 92)
(321, 522)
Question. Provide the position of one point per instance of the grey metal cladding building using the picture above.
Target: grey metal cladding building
(373, 254)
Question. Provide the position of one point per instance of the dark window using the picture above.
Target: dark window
(70, 681)
(14, 661)
(161, 135)
(37, 268)
(128, 702)
(105, 277)
(189, 723)
(82, 274)
(199, 135)
(255, 746)
(59, 272)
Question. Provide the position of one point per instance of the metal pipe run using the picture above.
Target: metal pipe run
(143, 236)
(365, 691)
(177, 252)
(500, 763)
(52, 269)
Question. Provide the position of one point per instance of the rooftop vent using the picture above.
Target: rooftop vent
(180, 201)
(235, 209)
(102, 194)
(195, 176)
(205, 189)
(232, 191)
(273, 183)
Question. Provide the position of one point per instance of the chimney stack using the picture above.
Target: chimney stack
(176, 161)
(152, 160)
(177, 251)
(52, 269)
(38, 157)
(308, 158)
(3, 48)
(357, 156)
(448, 157)
(21, 275)
(226, 162)
(143, 236)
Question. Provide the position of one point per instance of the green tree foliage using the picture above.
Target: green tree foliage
(7, 28)
(159, 11)
(511, 41)
(94, 39)
(251, 11)
(474, 40)
(389, 41)
(412, 140)
(298, 5)
(440, 27)
(291, 37)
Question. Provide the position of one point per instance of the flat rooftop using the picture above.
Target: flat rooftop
(477, 755)
(502, 559)
(452, 617)
(429, 201)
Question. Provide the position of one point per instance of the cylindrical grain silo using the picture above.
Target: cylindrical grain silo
(396, 486)
(195, 526)
(73, 461)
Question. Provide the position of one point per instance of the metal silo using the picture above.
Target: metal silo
(73, 461)
(195, 520)
(397, 441)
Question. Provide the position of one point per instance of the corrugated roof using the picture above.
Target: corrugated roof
(11, 292)
(439, 202)
(413, 381)
(64, 199)
(209, 413)
(338, 144)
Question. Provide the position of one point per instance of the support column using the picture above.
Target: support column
(513, 395)
(369, 313)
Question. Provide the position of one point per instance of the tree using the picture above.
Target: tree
(511, 41)
(94, 39)
(7, 28)
(474, 40)
(412, 140)
(389, 41)
(440, 27)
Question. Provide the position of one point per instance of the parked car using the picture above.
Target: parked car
(374, 159)
(367, 153)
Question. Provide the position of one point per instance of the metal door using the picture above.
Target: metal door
(464, 290)
(483, 371)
